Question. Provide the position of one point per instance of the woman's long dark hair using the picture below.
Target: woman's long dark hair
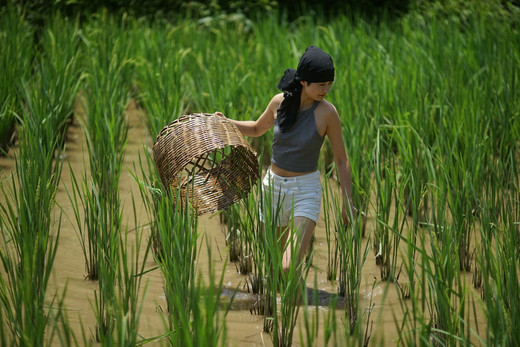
(292, 91)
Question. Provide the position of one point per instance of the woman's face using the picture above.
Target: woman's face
(316, 90)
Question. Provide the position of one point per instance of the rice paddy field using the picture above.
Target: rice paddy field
(95, 251)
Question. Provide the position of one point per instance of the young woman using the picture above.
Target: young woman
(302, 118)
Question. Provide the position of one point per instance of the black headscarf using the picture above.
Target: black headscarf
(315, 66)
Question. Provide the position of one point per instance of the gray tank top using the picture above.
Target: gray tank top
(298, 149)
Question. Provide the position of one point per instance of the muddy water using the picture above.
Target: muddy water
(243, 328)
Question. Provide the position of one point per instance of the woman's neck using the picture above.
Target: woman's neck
(306, 103)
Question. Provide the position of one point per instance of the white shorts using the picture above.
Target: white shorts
(298, 196)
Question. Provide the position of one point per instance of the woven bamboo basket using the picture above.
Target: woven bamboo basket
(206, 157)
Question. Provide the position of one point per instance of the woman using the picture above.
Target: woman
(302, 118)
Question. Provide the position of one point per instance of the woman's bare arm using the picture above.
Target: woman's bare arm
(335, 136)
(263, 123)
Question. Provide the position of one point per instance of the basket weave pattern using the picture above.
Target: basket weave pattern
(206, 157)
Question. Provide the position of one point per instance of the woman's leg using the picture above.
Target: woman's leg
(299, 241)
(296, 244)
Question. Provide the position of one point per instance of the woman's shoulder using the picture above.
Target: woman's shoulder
(275, 102)
(278, 98)
(326, 109)
(326, 116)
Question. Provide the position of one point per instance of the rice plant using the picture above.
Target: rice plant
(31, 227)
(161, 81)
(60, 70)
(190, 321)
(352, 256)
(108, 68)
(498, 262)
(330, 235)
(235, 238)
(16, 45)
(386, 239)
(253, 251)
(106, 130)
(47, 101)
(280, 321)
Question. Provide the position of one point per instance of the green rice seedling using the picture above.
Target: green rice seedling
(386, 241)
(47, 95)
(208, 327)
(27, 256)
(416, 169)
(291, 292)
(459, 203)
(281, 322)
(413, 169)
(332, 335)
(235, 238)
(80, 195)
(118, 304)
(332, 244)
(108, 68)
(268, 247)
(7, 123)
(59, 69)
(352, 256)
(191, 321)
(414, 324)
(247, 228)
(177, 228)
(253, 245)
(16, 45)
(447, 294)
(267, 260)
(109, 219)
(499, 262)
(130, 300)
(30, 228)
(219, 77)
(161, 79)
(150, 189)
(309, 332)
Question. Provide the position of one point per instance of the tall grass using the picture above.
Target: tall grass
(30, 225)
(193, 316)
(330, 235)
(252, 252)
(106, 129)
(28, 247)
(16, 44)
(161, 78)
(498, 262)
(60, 70)
(107, 87)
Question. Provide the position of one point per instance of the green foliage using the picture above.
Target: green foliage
(430, 110)
(16, 45)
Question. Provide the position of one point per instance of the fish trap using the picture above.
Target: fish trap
(207, 159)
